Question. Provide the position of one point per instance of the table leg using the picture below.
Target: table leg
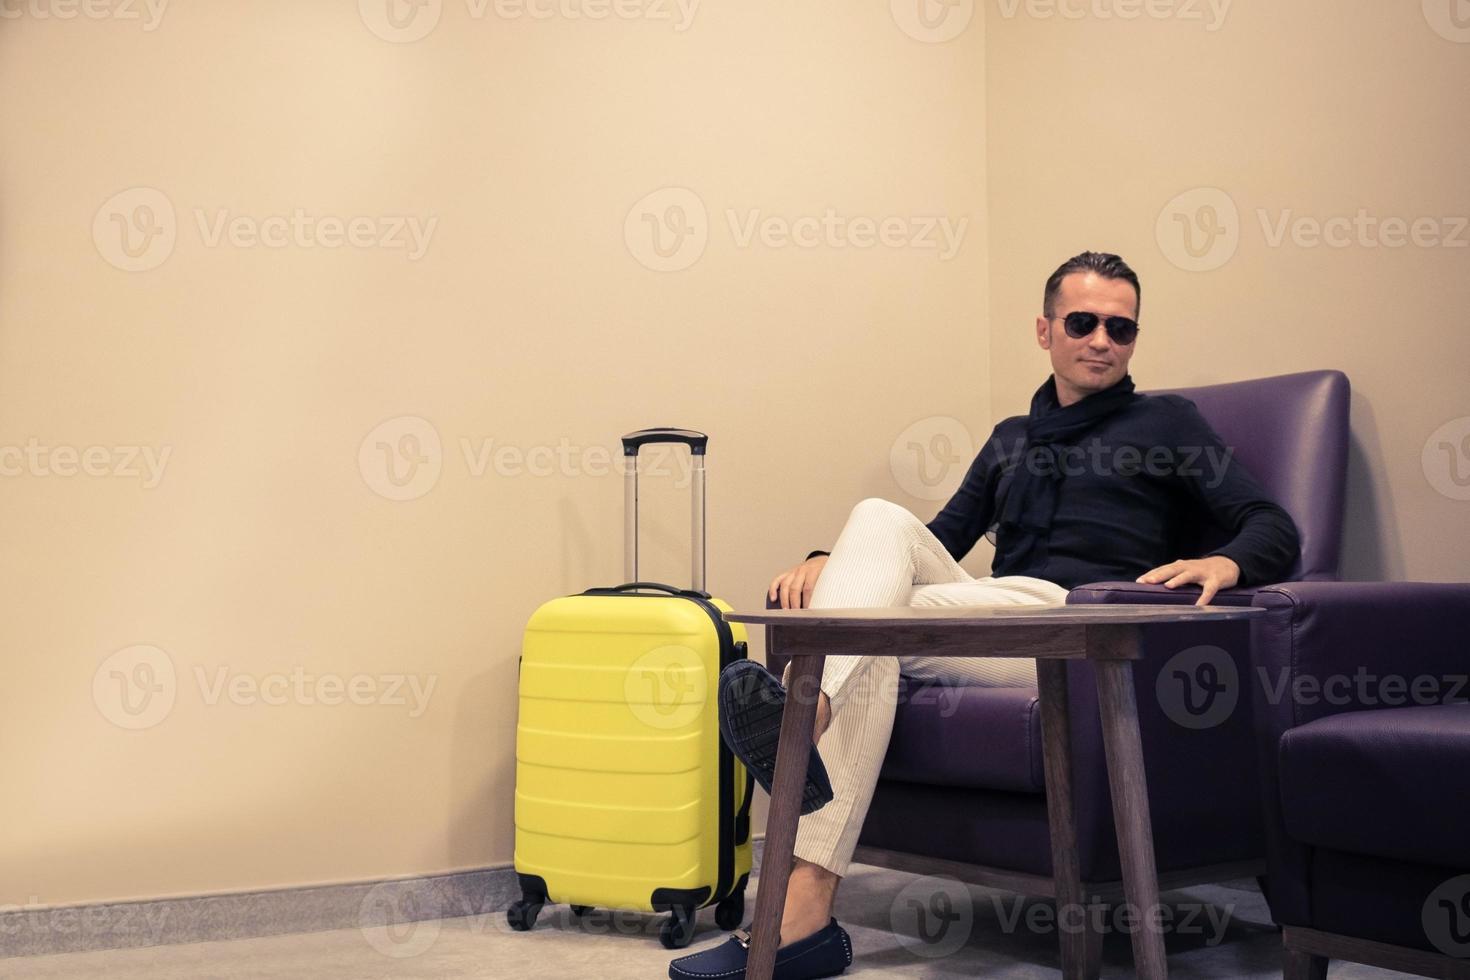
(1124, 750)
(792, 753)
(1056, 757)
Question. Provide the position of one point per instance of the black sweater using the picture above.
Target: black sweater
(1148, 485)
(1144, 484)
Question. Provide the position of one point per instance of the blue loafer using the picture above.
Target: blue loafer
(825, 953)
(751, 703)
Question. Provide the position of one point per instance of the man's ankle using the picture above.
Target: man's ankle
(809, 898)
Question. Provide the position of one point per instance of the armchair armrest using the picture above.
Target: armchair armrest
(1328, 647)
(1130, 592)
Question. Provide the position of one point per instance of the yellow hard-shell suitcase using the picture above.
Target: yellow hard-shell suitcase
(626, 796)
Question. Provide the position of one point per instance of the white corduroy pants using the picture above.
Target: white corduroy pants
(885, 556)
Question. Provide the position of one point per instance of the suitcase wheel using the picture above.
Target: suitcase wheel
(730, 911)
(581, 910)
(678, 928)
(522, 915)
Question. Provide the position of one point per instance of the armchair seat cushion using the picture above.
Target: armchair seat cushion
(1389, 783)
(966, 737)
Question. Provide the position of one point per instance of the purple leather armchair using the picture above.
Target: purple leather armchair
(964, 763)
(1365, 759)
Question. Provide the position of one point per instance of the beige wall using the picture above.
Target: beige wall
(530, 320)
(1318, 109)
(270, 546)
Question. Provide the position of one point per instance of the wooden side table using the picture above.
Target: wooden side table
(1108, 635)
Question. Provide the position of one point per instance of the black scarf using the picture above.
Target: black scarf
(1025, 510)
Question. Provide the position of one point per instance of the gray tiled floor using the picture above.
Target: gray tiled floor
(1220, 931)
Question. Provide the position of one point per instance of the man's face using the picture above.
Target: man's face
(1093, 363)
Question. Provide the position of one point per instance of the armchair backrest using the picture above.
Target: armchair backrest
(1291, 433)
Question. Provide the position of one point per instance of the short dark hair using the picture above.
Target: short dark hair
(1105, 264)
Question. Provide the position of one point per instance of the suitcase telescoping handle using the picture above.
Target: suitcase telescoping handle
(632, 443)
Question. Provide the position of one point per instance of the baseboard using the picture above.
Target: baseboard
(373, 906)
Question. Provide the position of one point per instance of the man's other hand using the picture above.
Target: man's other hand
(1212, 574)
(794, 587)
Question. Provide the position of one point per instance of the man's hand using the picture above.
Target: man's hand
(1213, 574)
(794, 587)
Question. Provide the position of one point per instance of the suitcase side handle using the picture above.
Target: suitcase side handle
(742, 816)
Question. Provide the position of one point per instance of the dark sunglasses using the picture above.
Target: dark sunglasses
(1081, 323)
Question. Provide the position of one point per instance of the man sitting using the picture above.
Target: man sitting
(1096, 483)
